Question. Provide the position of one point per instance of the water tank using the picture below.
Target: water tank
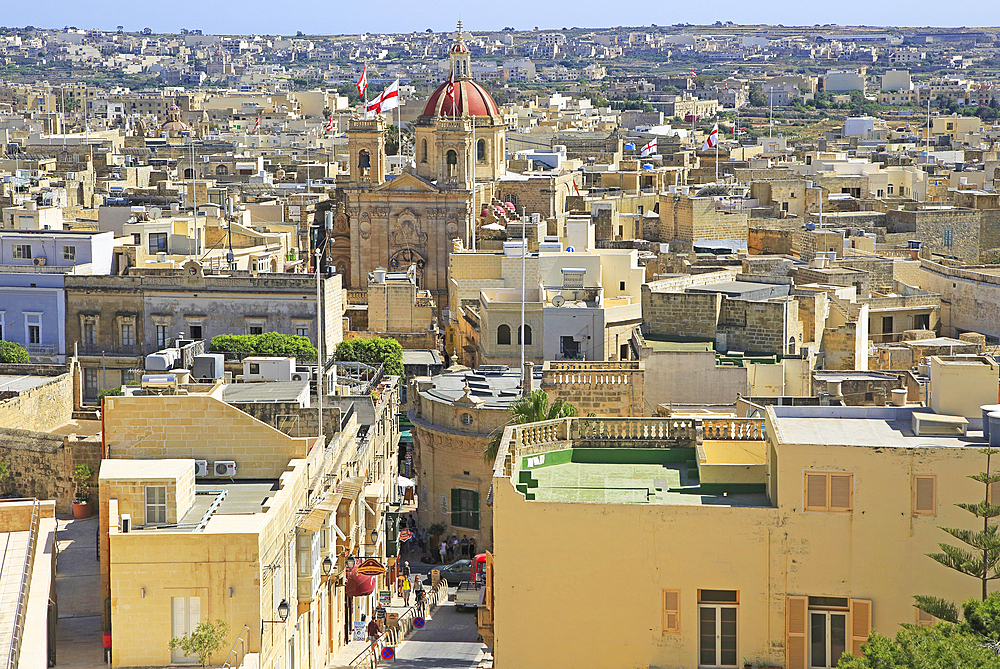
(898, 397)
(159, 362)
(810, 226)
(378, 275)
(987, 409)
(994, 420)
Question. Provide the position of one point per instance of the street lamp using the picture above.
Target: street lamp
(327, 565)
(283, 610)
(374, 537)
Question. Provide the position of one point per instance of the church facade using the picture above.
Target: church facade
(411, 218)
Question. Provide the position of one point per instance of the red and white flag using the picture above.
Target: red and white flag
(649, 149)
(329, 124)
(363, 82)
(450, 91)
(389, 99)
(713, 139)
(693, 73)
(256, 126)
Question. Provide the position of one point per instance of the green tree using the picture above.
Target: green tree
(11, 352)
(373, 351)
(940, 646)
(269, 343)
(82, 475)
(531, 409)
(981, 559)
(6, 479)
(757, 97)
(206, 639)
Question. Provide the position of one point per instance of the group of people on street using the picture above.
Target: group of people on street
(451, 549)
(410, 582)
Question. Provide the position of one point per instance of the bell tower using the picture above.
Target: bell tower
(366, 146)
(461, 59)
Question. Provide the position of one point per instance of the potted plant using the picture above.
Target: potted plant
(6, 481)
(81, 505)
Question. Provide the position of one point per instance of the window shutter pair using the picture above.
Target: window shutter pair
(829, 491)
(456, 506)
(475, 511)
(797, 629)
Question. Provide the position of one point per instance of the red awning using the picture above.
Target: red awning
(359, 585)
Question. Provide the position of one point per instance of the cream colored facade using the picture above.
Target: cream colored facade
(234, 548)
(580, 305)
(826, 519)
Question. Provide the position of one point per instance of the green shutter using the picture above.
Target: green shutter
(456, 506)
(475, 510)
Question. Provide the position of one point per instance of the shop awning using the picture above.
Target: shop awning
(359, 585)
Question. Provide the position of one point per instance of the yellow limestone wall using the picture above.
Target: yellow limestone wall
(600, 603)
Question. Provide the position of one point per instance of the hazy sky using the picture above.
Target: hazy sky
(288, 16)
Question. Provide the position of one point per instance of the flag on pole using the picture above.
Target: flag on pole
(649, 149)
(576, 188)
(450, 91)
(363, 82)
(713, 139)
(329, 124)
(256, 126)
(389, 99)
(693, 73)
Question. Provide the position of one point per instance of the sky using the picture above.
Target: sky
(286, 17)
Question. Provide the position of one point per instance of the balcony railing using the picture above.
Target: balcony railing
(733, 429)
(39, 349)
(111, 349)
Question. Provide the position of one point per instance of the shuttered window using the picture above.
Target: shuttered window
(861, 624)
(924, 495)
(671, 611)
(829, 491)
(795, 632)
(925, 619)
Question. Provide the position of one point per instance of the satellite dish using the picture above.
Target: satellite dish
(570, 249)
(558, 301)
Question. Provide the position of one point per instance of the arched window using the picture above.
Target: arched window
(222, 170)
(364, 162)
(188, 173)
(527, 335)
(423, 151)
(503, 335)
(481, 151)
(791, 346)
(452, 159)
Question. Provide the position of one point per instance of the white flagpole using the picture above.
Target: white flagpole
(717, 158)
(399, 127)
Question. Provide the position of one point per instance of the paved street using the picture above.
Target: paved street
(449, 641)
(78, 633)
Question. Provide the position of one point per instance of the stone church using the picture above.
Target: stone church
(412, 218)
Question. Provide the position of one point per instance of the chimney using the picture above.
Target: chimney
(527, 373)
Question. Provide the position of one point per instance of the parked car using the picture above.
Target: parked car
(456, 572)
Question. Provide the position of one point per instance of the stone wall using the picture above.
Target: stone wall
(759, 327)
(602, 388)
(767, 239)
(936, 227)
(880, 272)
(989, 236)
(41, 408)
(292, 419)
(408, 340)
(970, 299)
(680, 314)
(41, 464)
(691, 377)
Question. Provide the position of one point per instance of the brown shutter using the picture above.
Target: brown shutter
(840, 492)
(924, 502)
(796, 609)
(861, 624)
(924, 619)
(816, 492)
(671, 611)
(993, 493)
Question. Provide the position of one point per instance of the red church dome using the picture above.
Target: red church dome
(470, 98)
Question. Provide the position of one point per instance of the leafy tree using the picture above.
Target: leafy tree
(109, 392)
(531, 409)
(269, 343)
(392, 139)
(982, 559)
(940, 646)
(757, 97)
(6, 479)
(82, 474)
(11, 352)
(373, 351)
(206, 639)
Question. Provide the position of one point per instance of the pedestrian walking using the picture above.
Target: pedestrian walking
(406, 590)
(374, 632)
(406, 569)
(443, 551)
(454, 545)
(465, 545)
(421, 599)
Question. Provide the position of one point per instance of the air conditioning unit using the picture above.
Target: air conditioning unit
(37, 262)
(225, 468)
(200, 468)
(302, 375)
(126, 523)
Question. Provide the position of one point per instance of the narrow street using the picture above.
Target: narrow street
(448, 641)
(78, 577)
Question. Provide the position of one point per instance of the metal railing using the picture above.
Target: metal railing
(392, 636)
(239, 639)
(21, 607)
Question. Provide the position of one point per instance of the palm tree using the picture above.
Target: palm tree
(531, 409)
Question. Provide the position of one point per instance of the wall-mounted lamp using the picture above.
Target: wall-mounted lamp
(283, 609)
(142, 593)
(327, 565)
(230, 592)
(374, 536)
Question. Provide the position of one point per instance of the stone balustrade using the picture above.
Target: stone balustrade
(733, 429)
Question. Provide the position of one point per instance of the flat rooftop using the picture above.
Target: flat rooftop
(241, 498)
(266, 391)
(739, 288)
(620, 483)
(881, 427)
(19, 384)
(496, 391)
(421, 357)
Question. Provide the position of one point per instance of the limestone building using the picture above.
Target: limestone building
(411, 218)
